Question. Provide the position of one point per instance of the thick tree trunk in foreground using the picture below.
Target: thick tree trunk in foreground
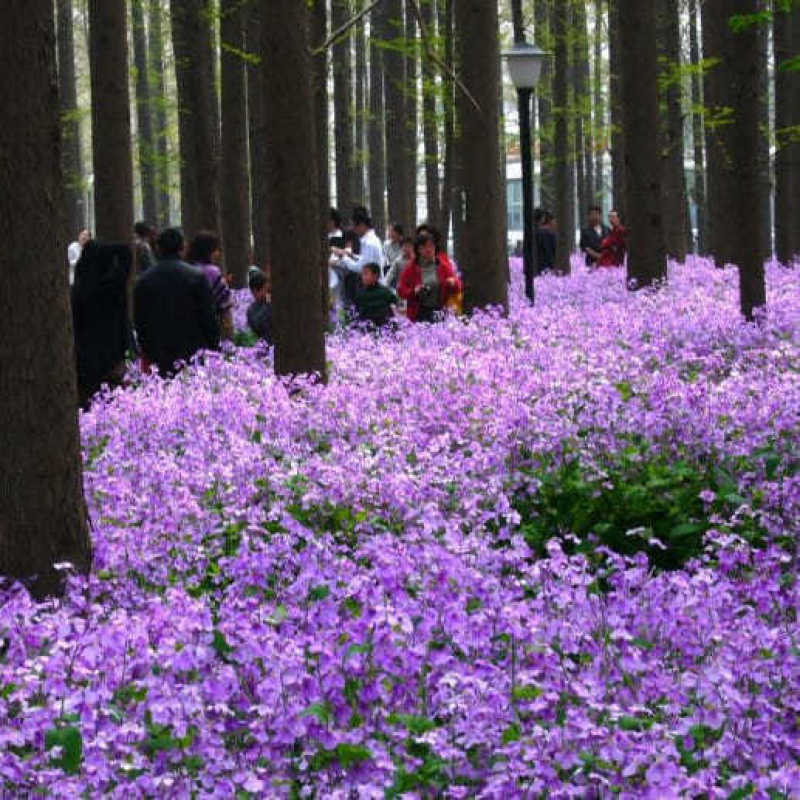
(786, 31)
(144, 118)
(296, 273)
(111, 122)
(639, 96)
(198, 115)
(563, 151)
(42, 513)
(70, 127)
(477, 46)
(159, 96)
(234, 194)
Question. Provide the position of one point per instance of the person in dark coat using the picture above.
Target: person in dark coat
(99, 316)
(592, 236)
(546, 242)
(259, 312)
(173, 308)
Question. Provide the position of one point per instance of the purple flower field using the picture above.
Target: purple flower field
(336, 592)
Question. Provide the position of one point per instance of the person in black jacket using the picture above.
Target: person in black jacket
(173, 308)
(592, 236)
(545, 242)
(99, 316)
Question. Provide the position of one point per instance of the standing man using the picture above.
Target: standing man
(74, 252)
(144, 242)
(174, 309)
(592, 236)
(371, 251)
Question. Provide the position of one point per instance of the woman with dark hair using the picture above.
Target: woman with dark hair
(614, 247)
(429, 280)
(204, 253)
(99, 316)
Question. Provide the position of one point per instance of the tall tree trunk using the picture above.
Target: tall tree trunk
(319, 65)
(563, 151)
(343, 110)
(735, 83)
(478, 56)
(235, 204)
(411, 122)
(296, 273)
(765, 138)
(159, 95)
(673, 177)
(360, 152)
(430, 124)
(698, 136)
(377, 151)
(445, 20)
(786, 32)
(144, 120)
(600, 129)
(111, 122)
(198, 115)
(394, 74)
(42, 513)
(582, 105)
(620, 200)
(640, 118)
(256, 125)
(68, 103)
(543, 13)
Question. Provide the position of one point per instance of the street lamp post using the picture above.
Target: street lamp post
(525, 66)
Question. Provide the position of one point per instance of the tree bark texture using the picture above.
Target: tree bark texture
(158, 96)
(42, 513)
(376, 164)
(647, 263)
(296, 273)
(698, 135)
(235, 203)
(430, 123)
(598, 102)
(343, 110)
(477, 52)
(562, 144)
(543, 12)
(620, 200)
(444, 11)
(673, 177)
(72, 163)
(198, 115)
(144, 117)
(412, 102)
(582, 104)
(786, 32)
(360, 151)
(111, 122)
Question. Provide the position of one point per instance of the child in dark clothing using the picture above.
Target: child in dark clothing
(259, 313)
(374, 303)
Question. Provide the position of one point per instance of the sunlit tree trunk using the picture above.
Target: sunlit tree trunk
(144, 117)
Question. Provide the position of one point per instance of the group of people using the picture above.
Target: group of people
(603, 245)
(182, 303)
(370, 280)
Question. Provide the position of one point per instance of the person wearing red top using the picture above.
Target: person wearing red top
(614, 246)
(428, 281)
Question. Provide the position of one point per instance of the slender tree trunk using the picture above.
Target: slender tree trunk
(234, 195)
(158, 95)
(543, 12)
(111, 122)
(412, 101)
(430, 124)
(673, 177)
(445, 20)
(478, 55)
(640, 118)
(319, 66)
(582, 105)
(42, 513)
(765, 138)
(620, 200)
(377, 150)
(786, 32)
(343, 110)
(296, 273)
(563, 151)
(735, 83)
(256, 125)
(697, 132)
(198, 115)
(144, 120)
(68, 103)
(600, 128)
(360, 152)
(394, 73)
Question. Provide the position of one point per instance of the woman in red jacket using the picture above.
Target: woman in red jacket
(428, 281)
(614, 246)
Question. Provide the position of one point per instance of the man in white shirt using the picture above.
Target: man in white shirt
(74, 253)
(371, 246)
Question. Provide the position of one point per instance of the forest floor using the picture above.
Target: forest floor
(553, 554)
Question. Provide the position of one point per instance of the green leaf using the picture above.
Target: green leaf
(70, 741)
